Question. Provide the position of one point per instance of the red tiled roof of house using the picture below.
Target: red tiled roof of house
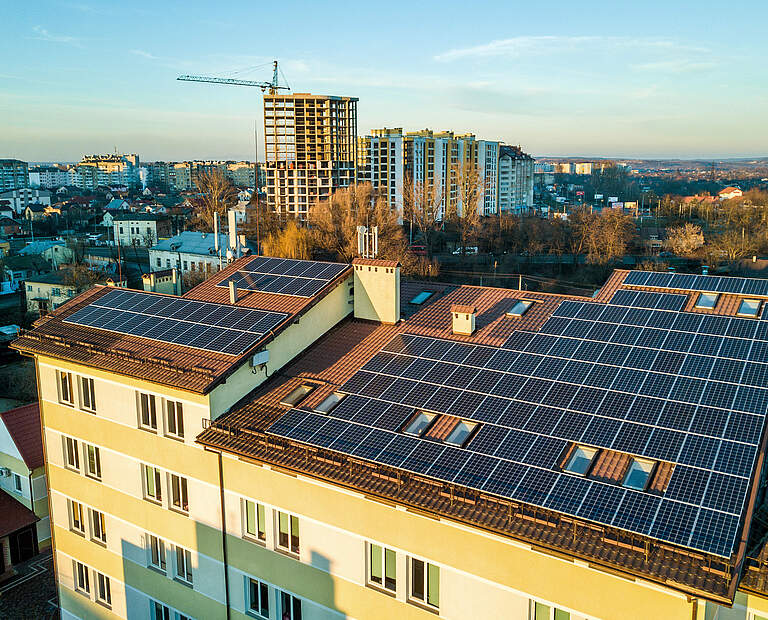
(463, 309)
(15, 515)
(23, 424)
(375, 262)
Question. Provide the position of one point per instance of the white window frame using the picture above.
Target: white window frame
(641, 464)
(81, 578)
(93, 474)
(156, 607)
(520, 307)
(103, 589)
(288, 614)
(174, 419)
(291, 520)
(412, 597)
(151, 411)
(384, 554)
(182, 565)
(87, 392)
(71, 453)
(555, 613)
(16, 482)
(65, 378)
(752, 315)
(178, 493)
(98, 523)
(262, 590)
(259, 520)
(588, 452)
(157, 497)
(156, 545)
(699, 306)
(76, 507)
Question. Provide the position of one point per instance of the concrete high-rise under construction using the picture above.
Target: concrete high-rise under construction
(311, 143)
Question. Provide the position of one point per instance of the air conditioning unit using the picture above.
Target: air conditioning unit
(5, 472)
(259, 359)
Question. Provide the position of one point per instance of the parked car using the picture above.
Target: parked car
(467, 250)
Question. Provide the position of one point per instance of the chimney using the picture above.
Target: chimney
(376, 290)
(232, 231)
(216, 231)
(232, 292)
(463, 320)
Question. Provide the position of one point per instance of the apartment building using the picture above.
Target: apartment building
(380, 162)
(48, 177)
(25, 526)
(14, 174)
(142, 229)
(20, 199)
(106, 170)
(303, 440)
(310, 144)
(515, 180)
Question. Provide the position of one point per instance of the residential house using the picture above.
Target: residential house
(190, 252)
(143, 229)
(25, 524)
(35, 213)
(47, 292)
(54, 251)
(9, 226)
(730, 192)
(17, 269)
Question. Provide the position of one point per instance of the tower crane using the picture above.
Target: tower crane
(273, 86)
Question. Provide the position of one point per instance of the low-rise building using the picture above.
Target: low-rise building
(25, 524)
(730, 192)
(35, 213)
(190, 252)
(18, 269)
(9, 226)
(45, 293)
(55, 251)
(19, 199)
(143, 229)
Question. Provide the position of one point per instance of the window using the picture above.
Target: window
(580, 460)
(160, 611)
(637, 474)
(425, 582)
(297, 395)
(66, 395)
(290, 607)
(288, 532)
(87, 394)
(179, 493)
(98, 527)
(16, 482)
(519, 308)
(460, 433)
(258, 597)
(147, 411)
(706, 301)
(76, 520)
(255, 521)
(92, 462)
(174, 416)
(540, 611)
(82, 583)
(156, 552)
(419, 422)
(749, 307)
(183, 565)
(152, 490)
(159, 262)
(71, 454)
(421, 297)
(330, 402)
(382, 567)
(103, 593)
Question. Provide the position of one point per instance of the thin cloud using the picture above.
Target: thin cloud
(537, 45)
(41, 34)
(675, 66)
(144, 54)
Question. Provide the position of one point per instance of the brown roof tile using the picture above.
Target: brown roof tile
(375, 262)
(23, 424)
(610, 466)
(15, 515)
(463, 309)
(441, 427)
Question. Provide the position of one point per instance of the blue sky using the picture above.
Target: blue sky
(601, 78)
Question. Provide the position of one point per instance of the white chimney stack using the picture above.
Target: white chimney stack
(232, 292)
(233, 232)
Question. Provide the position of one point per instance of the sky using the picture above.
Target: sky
(667, 79)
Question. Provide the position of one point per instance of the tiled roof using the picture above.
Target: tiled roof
(15, 515)
(463, 309)
(23, 424)
(376, 262)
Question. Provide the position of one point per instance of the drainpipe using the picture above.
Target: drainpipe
(224, 535)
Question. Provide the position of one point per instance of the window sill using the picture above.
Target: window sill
(72, 469)
(148, 429)
(66, 404)
(255, 614)
(178, 511)
(92, 477)
(174, 437)
(86, 410)
(158, 570)
(101, 543)
(424, 606)
(184, 582)
(291, 554)
(381, 589)
(152, 500)
(78, 532)
(104, 604)
(253, 539)
(83, 593)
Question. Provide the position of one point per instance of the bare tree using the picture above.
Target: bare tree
(422, 208)
(81, 277)
(463, 209)
(218, 195)
(292, 241)
(148, 238)
(684, 240)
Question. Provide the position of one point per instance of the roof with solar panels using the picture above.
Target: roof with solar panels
(191, 342)
(626, 429)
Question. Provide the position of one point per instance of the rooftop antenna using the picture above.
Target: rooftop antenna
(368, 241)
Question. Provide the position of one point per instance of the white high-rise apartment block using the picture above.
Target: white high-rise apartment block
(515, 174)
(380, 163)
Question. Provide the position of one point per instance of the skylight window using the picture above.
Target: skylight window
(749, 307)
(419, 423)
(460, 433)
(578, 463)
(330, 402)
(298, 394)
(520, 308)
(421, 297)
(637, 474)
(706, 301)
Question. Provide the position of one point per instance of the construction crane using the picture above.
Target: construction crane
(273, 86)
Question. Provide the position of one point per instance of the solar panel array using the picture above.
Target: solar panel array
(202, 325)
(285, 276)
(705, 284)
(642, 299)
(670, 386)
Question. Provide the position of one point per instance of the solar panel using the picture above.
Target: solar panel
(284, 276)
(705, 284)
(202, 325)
